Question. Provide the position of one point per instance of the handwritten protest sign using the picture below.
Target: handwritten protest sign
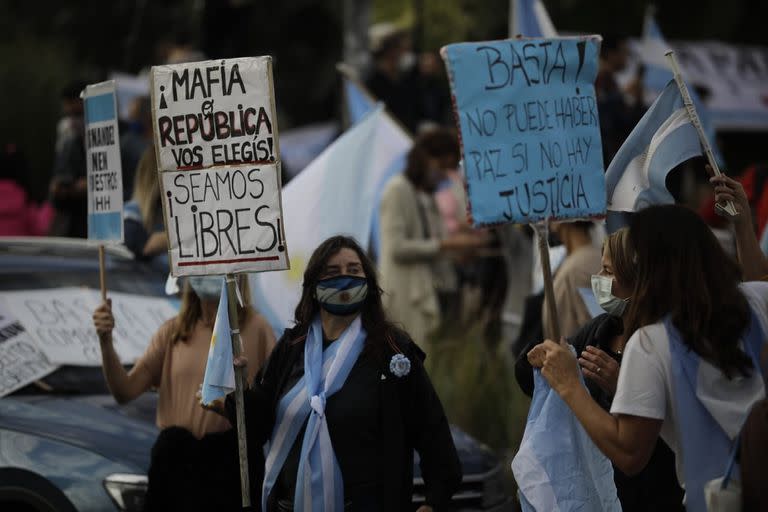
(225, 219)
(102, 153)
(21, 361)
(213, 113)
(218, 157)
(60, 322)
(529, 128)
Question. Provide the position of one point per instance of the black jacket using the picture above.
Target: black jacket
(655, 488)
(410, 412)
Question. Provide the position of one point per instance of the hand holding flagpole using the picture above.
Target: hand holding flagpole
(694, 117)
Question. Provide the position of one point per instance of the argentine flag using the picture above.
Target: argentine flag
(663, 139)
(219, 378)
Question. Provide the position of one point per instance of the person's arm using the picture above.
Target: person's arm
(753, 262)
(627, 440)
(439, 462)
(124, 386)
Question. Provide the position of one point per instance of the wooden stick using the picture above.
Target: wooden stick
(102, 274)
(240, 381)
(542, 231)
(729, 207)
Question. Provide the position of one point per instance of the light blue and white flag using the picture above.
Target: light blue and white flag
(337, 194)
(358, 101)
(658, 73)
(219, 378)
(558, 467)
(663, 139)
(530, 19)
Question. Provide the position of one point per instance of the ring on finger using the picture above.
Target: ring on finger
(598, 369)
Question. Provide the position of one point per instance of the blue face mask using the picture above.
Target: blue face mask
(207, 288)
(342, 295)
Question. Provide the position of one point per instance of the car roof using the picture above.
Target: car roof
(59, 246)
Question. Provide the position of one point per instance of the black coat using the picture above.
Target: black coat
(655, 488)
(411, 417)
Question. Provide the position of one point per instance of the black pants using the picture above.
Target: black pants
(190, 474)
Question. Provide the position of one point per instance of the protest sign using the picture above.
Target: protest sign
(213, 113)
(529, 128)
(218, 158)
(21, 361)
(60, 322)
(224, 220)
(102, 153)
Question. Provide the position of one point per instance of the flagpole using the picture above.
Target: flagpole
(694, 117)
(542, 232)
(234, 325)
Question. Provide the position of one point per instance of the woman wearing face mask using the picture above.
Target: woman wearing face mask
(600, 343)
(344, 400)
(195, 455)
(416, 273)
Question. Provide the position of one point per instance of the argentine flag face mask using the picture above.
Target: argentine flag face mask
(342, 295)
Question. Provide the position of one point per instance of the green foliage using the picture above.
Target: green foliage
(478, 390)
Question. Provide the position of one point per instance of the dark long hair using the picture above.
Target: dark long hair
(380, 330)
(682, 271)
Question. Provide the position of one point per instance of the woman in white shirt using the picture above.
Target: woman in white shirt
(689, 370)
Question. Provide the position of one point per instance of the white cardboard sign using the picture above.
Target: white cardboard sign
(21, 361)
(214, 113)
(60, 322)
(225, 219)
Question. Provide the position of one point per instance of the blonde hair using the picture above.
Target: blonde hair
(622, 257)
(146, 189)
(191, 310)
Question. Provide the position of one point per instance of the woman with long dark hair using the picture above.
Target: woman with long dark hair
(690, 370)
(600, 345)
(344, 400)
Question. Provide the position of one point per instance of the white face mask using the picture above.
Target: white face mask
(602, 287)
(207, 288)
(407, 61)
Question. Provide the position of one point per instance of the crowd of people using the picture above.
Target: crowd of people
(674, 367)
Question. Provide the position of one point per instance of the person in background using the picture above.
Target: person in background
(393, 78)
(194, 463)
(581, 261)
(600, 344)
(362, 419)
(135, 137)
(619, 109)
(68, 189)
(143, 227)
(690, 368)
(754, 450)
(416, 275)
(18, 215)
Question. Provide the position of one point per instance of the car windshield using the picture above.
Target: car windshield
(36, 272)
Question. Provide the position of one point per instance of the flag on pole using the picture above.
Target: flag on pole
(663, 139)
(219, 378)
(530, 19)
(658, 73)
(337, 193)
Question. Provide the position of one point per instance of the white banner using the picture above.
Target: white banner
(102, 155)
(214, 113)
(60, 322)
(224, 220)
(21, 361)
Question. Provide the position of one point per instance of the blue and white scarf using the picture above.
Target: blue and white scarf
(705, 446)
(319, 486)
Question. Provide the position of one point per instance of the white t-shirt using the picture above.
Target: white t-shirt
(645, 380)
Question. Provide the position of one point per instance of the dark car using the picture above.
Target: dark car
(64, 442)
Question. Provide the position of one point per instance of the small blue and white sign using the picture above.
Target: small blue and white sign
(529, 127)
(102, 153)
